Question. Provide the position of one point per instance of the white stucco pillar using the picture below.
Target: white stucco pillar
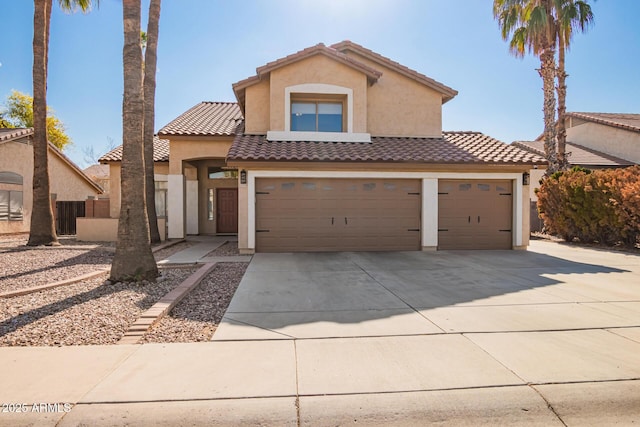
(429, 214)
(517, 212)
(175, 206)
(251, 211)
(192, 207)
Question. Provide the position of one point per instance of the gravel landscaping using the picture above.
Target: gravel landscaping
(197, 316)
(89, 312)
(24, 267)
(228, 249)
(95, 311)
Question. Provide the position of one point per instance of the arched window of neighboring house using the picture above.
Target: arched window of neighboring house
(10, 196)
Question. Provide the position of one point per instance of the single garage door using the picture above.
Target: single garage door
(475, 214)
(312, 215)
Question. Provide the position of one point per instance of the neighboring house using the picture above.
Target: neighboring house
(341, 149)
(69, 186)
(100, 175)
(594, 141)
(615, 134)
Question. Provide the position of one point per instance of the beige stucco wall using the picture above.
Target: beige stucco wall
(536, 176)
(400, 106)
(614, 141)
(114, 185)
(106, 229)
(256, 111)
(393, 106)
(64, 181)
(196, 148)
(317, 69)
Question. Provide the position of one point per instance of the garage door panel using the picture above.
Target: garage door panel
(475, 214)
(337, 214)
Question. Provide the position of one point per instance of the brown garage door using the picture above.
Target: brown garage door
(311, 215)
(474, 214)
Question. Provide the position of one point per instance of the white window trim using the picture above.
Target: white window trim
(318, 88)
(429, 218)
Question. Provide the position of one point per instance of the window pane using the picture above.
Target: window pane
(15, 205)
(161, 203)
(4, 205)
(210, 201)
(10, 178)
(329, 117)
(303, 116)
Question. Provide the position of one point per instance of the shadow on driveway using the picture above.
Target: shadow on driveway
(324, 295)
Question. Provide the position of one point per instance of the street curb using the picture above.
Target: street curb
(161, 308)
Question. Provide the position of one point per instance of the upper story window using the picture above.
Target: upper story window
(316, 116)
(318, 112)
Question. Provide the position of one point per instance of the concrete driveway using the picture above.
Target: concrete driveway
(551, 287)
(550, 336)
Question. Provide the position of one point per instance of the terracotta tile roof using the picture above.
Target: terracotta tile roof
(347, 45)
(7, 134)
(160, 152)
(97, 171)
(621, 120)
(452, 148)
(579, 155)
(205, 119)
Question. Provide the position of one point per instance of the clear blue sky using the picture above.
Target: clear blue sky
(206, 45)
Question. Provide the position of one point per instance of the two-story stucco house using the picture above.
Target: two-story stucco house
(338, 148)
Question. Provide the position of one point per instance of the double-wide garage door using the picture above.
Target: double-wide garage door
(474, 214)
(310, 215)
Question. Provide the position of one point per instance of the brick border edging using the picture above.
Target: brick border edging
(76, 279)
(137, 329)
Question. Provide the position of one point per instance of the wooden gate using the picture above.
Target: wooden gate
(66, 214)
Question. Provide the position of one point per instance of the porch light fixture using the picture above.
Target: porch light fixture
(243, 176)
(526, 178)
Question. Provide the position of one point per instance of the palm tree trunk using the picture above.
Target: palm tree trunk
(133, 259)
(150, 61)
(548, 74)
(562, 104)
(42, 229)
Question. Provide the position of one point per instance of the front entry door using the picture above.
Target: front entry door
(227, 210)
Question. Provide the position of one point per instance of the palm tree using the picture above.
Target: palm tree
(42, 229)
(150, 61)
(531, 26)
(133, 259)
(570, 15)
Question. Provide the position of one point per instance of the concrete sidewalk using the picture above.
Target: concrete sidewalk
(495, 373)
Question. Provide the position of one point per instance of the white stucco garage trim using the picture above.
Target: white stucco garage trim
(429, 196)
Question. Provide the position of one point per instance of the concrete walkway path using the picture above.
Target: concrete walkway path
(201, 247)
(506, 364)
